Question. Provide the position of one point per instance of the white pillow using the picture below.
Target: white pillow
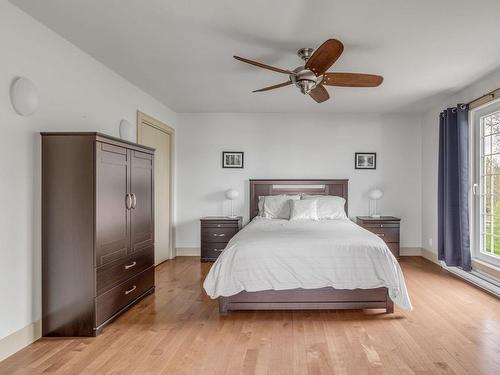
(304, 209)
(330, 207)
(278, 206)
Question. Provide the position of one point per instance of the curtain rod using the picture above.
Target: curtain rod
(492, 95)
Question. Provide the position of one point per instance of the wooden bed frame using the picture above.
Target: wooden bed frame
(304, 299)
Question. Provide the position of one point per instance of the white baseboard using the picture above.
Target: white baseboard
(430, 255)
(410, 251)
(188, 251)
(19, 339)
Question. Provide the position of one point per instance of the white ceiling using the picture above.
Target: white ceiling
(180, 51)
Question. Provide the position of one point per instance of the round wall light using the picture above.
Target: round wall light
(126, 131)
(24, 96)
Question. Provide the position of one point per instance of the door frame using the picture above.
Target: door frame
(161, 126)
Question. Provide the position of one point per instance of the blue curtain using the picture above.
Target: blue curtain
(453, 210)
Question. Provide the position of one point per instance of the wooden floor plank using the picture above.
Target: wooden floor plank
(453, 329)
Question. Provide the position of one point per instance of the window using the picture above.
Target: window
(485, 160)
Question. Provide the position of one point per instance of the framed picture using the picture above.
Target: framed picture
(365, 160)
(232, 159)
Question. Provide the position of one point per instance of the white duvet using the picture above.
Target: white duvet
(281, 254)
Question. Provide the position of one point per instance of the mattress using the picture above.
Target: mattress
(273, 254)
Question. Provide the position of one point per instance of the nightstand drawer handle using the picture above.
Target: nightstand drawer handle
(380, 234)
(128, 291)
(219, 235)
(128, 266)
(219, 250)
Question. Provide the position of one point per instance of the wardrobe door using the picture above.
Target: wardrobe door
(141, 190)
(112, 202)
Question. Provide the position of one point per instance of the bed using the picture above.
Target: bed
(274, 264)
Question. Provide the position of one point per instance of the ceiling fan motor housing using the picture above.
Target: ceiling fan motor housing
(305, 79)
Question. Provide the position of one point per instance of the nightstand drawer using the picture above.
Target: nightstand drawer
(220, 225)
(387, 234)
(212, 250)
(394, 247)
(217, 234)
(384, 225)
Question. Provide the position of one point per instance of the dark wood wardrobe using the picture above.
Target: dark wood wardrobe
(97, 230)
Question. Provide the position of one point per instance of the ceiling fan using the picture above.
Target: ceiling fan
(312, 78)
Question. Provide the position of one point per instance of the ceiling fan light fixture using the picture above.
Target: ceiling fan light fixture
(306, 86)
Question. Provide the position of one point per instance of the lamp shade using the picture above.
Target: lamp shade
(24, 96)
(375, 194)
(232, 194)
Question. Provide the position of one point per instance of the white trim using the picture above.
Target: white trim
(188, 251)
(475, 178)
(20, 339)
(476, 278)
(430, 255)
(410, 251)
(479, 279)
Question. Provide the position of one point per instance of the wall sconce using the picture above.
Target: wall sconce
(126, 131)
(24, 96)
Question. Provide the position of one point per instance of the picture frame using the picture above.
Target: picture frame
(365, 160)
(233, 159)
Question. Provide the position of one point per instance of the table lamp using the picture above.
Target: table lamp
(375, 195)
(232, 194)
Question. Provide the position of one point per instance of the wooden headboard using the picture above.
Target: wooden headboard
(275, 187)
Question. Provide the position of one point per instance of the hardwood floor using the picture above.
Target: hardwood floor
(453, 329)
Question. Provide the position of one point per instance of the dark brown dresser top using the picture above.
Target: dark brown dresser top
(377, 219)
(221, 218)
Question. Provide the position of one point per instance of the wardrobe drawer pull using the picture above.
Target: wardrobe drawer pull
(380, 234)
(128, 266)
(219, 250)
(128, 291)
(219, 235)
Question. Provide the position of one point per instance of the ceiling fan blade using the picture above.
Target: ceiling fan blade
(351, 80)
(324, 57)
(264, 66)
(274, 86)
(319, 94)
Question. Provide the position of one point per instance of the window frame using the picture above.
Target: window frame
(475, 180)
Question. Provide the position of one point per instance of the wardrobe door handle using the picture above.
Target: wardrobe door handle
(128, 291)
(134, 201)
(128, 201)
(128, 266)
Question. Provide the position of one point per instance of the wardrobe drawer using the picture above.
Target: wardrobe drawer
(387, 234)
(217, 234)
(109, 303)
(114, 273)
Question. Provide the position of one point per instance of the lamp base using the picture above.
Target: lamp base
(232, 216)
(375, 216)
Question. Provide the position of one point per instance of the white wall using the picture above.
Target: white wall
(430, 147)
(76, 93)
(297, 146)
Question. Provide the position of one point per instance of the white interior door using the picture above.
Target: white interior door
(160, 140)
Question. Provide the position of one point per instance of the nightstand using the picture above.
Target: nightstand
(386, 227)
(216, 231)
